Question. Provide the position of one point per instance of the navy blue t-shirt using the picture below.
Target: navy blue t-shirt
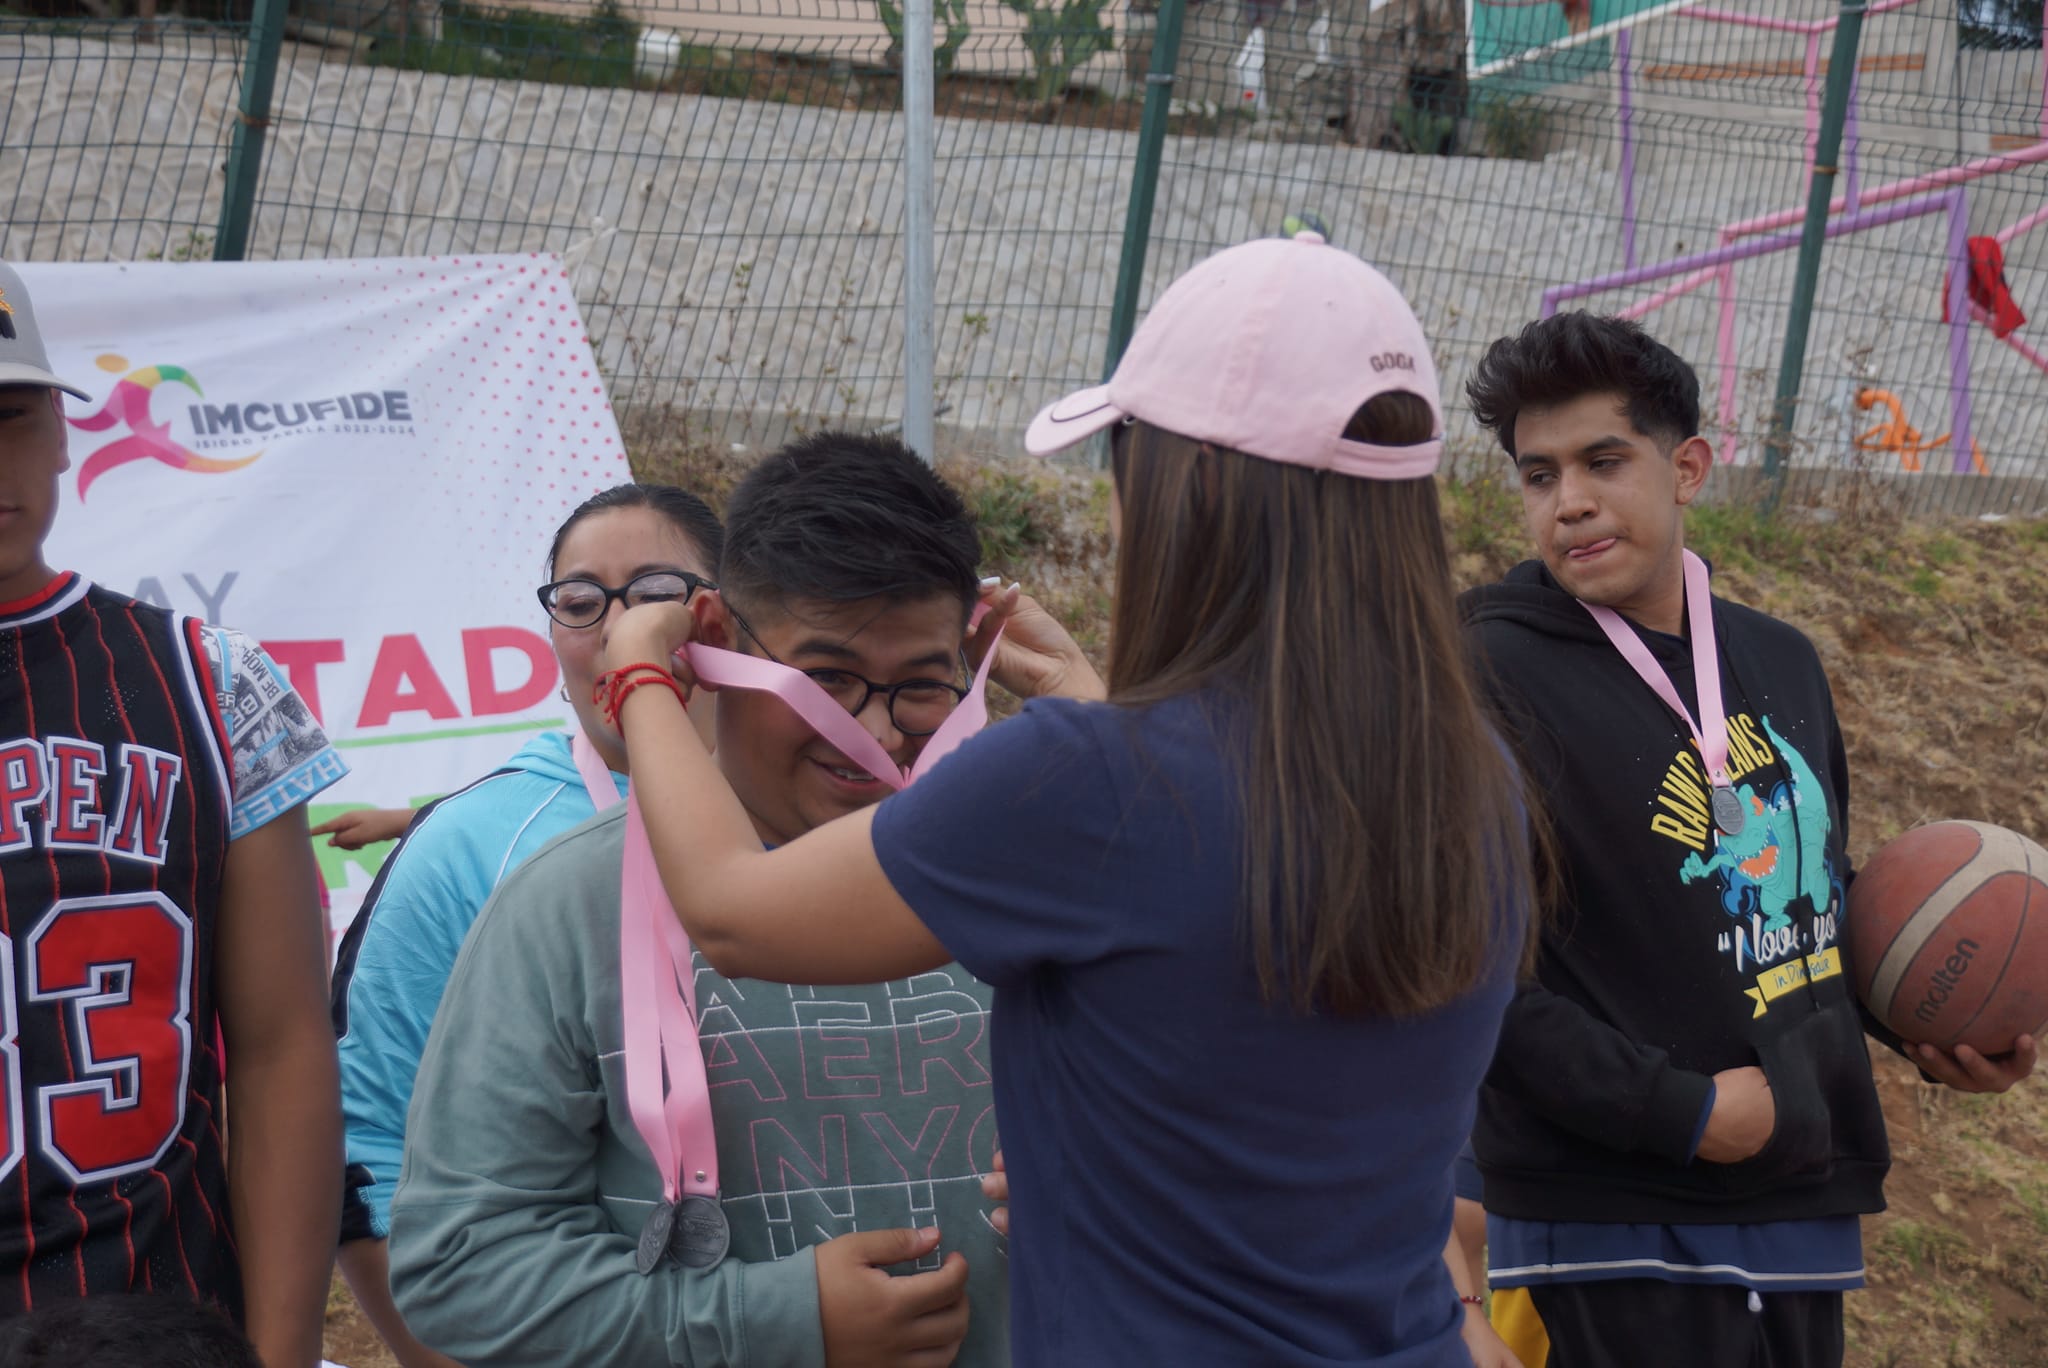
(1196, 1177)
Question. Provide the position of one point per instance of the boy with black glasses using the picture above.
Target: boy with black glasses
(852, 1125)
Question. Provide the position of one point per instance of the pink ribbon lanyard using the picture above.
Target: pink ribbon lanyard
(657, 995)
(598, 780)
(1710, 730)
(657, 978)
(657, 992)
(732, 670)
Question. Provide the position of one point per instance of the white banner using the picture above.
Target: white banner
(358, 463)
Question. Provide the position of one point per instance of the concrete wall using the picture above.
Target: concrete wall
(738, 261)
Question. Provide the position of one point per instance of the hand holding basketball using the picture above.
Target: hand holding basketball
(1743, 1118)
(1948, 947)
(1966, 1070)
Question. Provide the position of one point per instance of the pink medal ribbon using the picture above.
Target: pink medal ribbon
(657, 998)
(1710, 731)
(657, 977)
(733, 670)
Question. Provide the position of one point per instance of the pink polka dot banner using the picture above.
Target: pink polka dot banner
(360, 464)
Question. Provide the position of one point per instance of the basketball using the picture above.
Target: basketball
(1947, 936)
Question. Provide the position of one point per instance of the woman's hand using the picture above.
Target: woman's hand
(1038, 658)
(1487, 1348)
(653, 634)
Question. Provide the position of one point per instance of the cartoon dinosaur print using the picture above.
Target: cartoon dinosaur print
(1810, 804)
(1756, 861)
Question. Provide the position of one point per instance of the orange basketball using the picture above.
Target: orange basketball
(1947, 936)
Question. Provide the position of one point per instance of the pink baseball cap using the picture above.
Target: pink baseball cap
(1267, 348)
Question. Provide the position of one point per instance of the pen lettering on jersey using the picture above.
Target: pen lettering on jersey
(62, 793)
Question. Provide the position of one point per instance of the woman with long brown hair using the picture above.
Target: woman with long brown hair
(1253, 919)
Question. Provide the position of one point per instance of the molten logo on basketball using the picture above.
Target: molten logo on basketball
(1945, 980)
(1947, 938)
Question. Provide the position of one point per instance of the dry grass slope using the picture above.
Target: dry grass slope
(1936, 639)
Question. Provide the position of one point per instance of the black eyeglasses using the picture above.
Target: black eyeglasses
(584, 602)
(917, 707)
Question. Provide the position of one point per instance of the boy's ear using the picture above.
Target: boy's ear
(63, 432)
(714, 623)
(1694, 458)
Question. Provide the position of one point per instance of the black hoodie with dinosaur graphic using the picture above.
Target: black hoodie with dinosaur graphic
(1677, 951)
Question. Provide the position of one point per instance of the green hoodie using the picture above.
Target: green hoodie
(525, 1185)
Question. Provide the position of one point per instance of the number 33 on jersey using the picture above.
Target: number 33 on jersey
(134, 745)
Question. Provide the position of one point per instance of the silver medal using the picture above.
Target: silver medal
(1728, 814)
(655, 1237)
(701, 1235)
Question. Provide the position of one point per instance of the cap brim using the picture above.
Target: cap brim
(1073, 419)
(17, 374)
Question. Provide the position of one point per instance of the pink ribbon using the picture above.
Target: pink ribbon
(658, 1001)
(1710, 731)
(598, 780)
(732, 670)
(657, 977)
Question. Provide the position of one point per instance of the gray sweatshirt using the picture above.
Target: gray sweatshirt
(525, 1185)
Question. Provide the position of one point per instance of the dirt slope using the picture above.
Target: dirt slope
(1936, 640)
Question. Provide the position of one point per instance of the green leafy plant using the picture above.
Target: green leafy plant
(523, 45)
(197, 246)
(1423, 131)
(951, 13)
(1511, 129)
(1009, 511)
(1061, 38)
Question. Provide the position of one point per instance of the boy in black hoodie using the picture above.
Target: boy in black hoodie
(1680, 1131)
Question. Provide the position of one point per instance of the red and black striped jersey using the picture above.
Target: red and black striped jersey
(115, 797)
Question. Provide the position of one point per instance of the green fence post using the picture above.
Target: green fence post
(245, 154)
(1820, 193)
(1130, 271)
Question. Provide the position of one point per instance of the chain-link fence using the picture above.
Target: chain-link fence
(1574, 155)
(113, 149)
(725, 182)
(724, 179)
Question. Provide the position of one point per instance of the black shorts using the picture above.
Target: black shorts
(1631, 1322)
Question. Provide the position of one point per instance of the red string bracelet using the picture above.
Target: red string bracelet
(611, 688)
(1471, 1300)
(618, 699)
(604, 690)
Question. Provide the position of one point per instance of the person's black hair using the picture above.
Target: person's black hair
(691, 515)
(838, 517)
(139, 1330)
(1567, 356)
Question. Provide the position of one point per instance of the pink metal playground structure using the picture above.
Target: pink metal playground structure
(1856, 210)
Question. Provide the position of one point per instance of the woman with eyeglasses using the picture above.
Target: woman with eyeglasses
(630, 545)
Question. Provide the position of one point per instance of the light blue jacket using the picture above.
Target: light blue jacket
(395, 961)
